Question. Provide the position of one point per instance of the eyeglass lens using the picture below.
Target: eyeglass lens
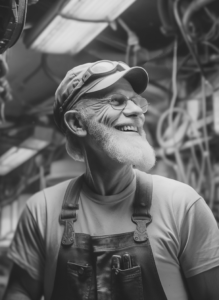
(119, 102)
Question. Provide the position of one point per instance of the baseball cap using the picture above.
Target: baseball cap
(93, 77)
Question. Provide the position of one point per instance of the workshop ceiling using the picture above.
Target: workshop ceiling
(27, 77)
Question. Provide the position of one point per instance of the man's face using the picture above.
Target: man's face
(118, 134)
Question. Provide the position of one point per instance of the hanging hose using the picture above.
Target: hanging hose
(186, 37)
(133, 45)
(48, 71)
(207, 150)
(177, 138)
(191, 9)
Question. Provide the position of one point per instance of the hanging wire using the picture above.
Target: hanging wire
(185, 36)
(171, 111)
(204, 81)
(206, 152)
(48, 71)
(194, 6)
(212, 46)
(2, 111)
(174, 79)
(43, 66)
(133, 45)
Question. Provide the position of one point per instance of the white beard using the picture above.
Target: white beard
(124, 148)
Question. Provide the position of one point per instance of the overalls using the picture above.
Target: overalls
(89, 267)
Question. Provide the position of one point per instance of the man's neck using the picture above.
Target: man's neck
(107, 177)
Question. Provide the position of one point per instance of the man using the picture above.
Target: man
(115, 232)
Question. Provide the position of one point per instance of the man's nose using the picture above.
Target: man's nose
(132, 109)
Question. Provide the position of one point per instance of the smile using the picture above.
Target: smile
(127, 128)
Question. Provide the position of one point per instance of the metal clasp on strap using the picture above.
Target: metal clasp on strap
(67, 217)
(140, 233)
(69, 211)
(69, 233)
(143, 197)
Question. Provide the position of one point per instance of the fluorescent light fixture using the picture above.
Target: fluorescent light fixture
(72, 24)
(16, 156)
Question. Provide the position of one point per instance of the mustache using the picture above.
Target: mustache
(139, 121)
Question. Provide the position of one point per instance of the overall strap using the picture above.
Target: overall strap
(143, 198)
(69, 210)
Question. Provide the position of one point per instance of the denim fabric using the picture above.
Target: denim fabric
(84, 270)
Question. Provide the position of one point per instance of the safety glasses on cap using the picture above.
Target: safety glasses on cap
(104, 67)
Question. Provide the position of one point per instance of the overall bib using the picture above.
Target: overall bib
(88, 267)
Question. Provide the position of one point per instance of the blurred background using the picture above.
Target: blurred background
(176, 41)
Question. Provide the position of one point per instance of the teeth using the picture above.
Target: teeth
(128, 128)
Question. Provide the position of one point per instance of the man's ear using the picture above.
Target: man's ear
(73, 122)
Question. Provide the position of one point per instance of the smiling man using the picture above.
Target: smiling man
(115, 232)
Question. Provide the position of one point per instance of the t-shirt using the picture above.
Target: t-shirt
(184, 235)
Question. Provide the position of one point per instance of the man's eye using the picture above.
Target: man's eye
(117, 100)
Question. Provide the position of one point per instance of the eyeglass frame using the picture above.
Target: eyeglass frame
(121, 109)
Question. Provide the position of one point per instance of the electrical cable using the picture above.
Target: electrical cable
(174, 80)
(159, 86)
(175, 144)
(194, 6)
(168, 162)
(32, 74)
(48, 71)
(191, 9)
(171, 111)
(205, 133)
(164, 53)
(186, 38)
(185, 59)
(164, 13)
(194, 158)
(205, 151)
(205, 82)
(43, 65)
(214, 31)
(133, 45)
(2, 111)
(215, 48)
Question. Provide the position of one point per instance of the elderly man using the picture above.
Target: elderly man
(115, 232)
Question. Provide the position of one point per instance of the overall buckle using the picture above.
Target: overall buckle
(140, 233)
(69, 233)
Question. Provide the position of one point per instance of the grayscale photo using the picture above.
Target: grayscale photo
(109, 150)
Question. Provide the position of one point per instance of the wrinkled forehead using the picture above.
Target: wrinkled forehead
(121, 86)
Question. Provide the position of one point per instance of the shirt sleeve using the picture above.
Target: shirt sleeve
(27, 247)
(199, 240)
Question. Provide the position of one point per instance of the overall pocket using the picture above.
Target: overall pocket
(127, 284)
(80, 278)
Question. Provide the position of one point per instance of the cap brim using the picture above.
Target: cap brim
(136, 76)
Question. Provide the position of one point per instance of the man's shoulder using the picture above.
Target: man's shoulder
(174, 193)
(49, 198)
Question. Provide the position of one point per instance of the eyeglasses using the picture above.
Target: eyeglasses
(119, 102)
